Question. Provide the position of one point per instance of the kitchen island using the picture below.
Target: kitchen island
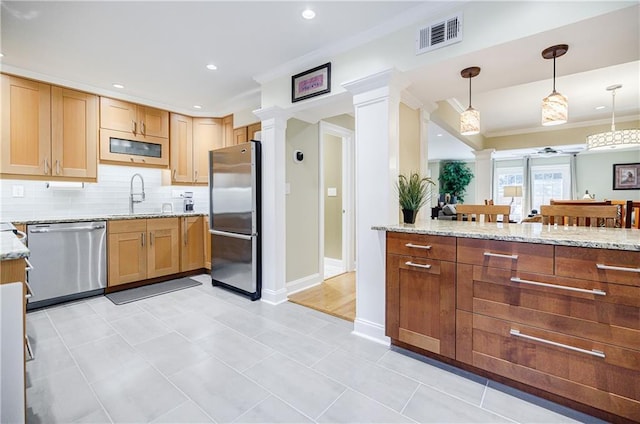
(552, 310)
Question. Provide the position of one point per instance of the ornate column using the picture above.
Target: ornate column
(484, 175)
(376, 100)
(274, 125)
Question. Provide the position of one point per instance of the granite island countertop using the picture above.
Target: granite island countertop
(595, 237)
(11, 247)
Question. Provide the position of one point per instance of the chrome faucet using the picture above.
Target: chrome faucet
(131, 193)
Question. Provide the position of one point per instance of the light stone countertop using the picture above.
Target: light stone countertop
(11, 247)
(595, 237)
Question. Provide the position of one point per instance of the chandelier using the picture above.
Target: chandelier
(613, 139)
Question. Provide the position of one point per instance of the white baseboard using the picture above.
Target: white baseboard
(303, 283)
(371, 331)
(337, 263)
(274, 297)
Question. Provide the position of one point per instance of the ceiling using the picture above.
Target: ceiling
(158, 51)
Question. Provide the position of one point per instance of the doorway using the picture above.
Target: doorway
(337, 237)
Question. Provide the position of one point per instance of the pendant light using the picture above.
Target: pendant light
(470, 118)
(613, 139)
(555, 107)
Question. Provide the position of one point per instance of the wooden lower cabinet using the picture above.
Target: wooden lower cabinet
(142, 248)
(421, 303)
(192, 249)
(207, 244)
(549, 317)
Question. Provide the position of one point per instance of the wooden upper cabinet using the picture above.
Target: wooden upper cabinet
(26, 127)
(207, 135)
(138, 120)
(227, 130)
(181, 144)
(253, 129)
(240, 135)
(74, 133)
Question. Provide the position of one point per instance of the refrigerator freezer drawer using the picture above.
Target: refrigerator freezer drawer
(232, 261)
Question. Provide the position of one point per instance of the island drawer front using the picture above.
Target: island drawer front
(127, 226)
(613, 266)
(547, 360)
(506, 254)
(422, 245)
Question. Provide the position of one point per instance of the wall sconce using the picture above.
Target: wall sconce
(470, 118)
(555, 107)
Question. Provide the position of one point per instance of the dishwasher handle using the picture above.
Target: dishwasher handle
(66, 230)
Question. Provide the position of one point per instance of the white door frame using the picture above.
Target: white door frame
(348, 198)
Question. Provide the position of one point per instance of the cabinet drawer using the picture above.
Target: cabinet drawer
(506, 254)
(608, 313)
(422, 245)
(614, 266)
(127, 226)
(596, 374)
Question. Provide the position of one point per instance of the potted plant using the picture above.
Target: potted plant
(413, 193)
(454, 178)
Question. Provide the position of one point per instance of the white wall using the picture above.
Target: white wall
(594, 172)
(110, 195)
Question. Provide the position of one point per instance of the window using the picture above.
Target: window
(549, 182)
(509, 176)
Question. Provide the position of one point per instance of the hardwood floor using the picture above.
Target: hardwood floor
(335, 296)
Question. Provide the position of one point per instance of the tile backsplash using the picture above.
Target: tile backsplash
(110, 195)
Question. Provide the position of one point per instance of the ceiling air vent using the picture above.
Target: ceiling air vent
(439, 34)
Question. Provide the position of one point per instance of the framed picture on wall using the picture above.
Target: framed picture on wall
(626, 176)
(311, 83)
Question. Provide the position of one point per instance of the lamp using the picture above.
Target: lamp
(613, 139)
(512, 191)
(470, 118)
(555, 107)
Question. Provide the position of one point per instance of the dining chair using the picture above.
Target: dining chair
(581, 215)
(487, 212)
(632, 215)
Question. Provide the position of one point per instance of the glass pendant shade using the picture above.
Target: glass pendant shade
(470, 122)
(555, 109)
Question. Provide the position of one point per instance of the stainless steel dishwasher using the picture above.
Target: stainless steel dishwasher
(71, 261)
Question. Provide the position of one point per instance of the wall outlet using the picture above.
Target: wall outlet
(177, 194)
(332, 192)
(287, 188)
(18, 191)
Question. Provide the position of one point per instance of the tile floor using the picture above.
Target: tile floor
(204, 355)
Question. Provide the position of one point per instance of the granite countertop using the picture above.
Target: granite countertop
(11, 247)
(105, 217)
(597, 237)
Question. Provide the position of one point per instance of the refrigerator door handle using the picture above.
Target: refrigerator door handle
(232, 235)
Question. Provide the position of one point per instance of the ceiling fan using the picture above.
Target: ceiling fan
(550, 151)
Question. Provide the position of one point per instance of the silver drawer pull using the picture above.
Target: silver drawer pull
(499, 255)
(418, 246)
(29, 267)
(554, 286)
(29, 291)
(593, 352)
(617, 268)
(417, 265)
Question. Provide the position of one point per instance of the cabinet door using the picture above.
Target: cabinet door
(227, 130)
(207, 135)
(181, 144)
(74, 133)
(253, 129)
(153, 122)
(192, 251)
(26, 127)
(240, 135)
(163, 249)
(118, 115)
(421, 303)
(207, 244)
(127, 258)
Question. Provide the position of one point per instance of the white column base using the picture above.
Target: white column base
(371, 331)
(274, 297)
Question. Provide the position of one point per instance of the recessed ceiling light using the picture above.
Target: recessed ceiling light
(308, 14)
(212, 67)
(1, 55)
(197, 107)
(599, 107)
(116, 85)
(439, 135)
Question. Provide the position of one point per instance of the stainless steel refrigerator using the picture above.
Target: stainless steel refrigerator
(234, 218)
